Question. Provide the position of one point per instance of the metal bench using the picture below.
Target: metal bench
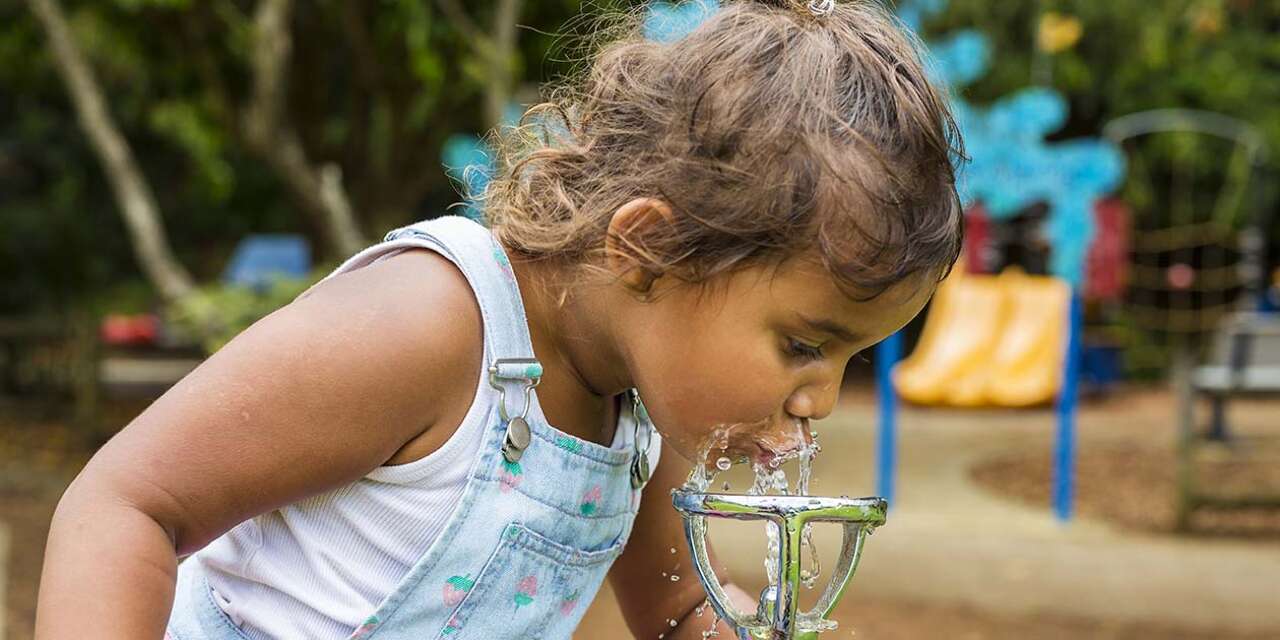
(1244, 361)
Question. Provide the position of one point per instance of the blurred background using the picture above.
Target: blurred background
(1080, 437)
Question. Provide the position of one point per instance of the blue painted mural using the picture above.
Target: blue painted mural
(1011, 165)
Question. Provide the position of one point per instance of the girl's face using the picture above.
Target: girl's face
(744, 365)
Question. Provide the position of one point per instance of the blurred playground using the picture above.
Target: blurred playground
(1079, 436)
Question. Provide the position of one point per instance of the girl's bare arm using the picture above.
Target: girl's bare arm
(310, 398)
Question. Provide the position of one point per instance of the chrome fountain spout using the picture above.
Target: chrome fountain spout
(778, 616)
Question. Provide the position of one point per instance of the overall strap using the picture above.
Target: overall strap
(508, 349)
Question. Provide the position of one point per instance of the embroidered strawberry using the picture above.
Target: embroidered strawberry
(456, 588)
(526, 590)
(568, 603)
(365, 629)
(452, 625)
(503, 262)
(590, 501)
(570, 444)
(510, 477)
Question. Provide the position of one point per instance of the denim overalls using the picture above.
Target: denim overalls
(543, 514)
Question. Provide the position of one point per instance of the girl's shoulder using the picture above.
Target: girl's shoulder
(312, 397)
(429, 311)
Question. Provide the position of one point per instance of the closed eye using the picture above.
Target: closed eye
(802, 351)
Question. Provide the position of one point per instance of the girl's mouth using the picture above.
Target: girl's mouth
(768, 447)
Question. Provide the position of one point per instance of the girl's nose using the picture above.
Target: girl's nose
(813, 402)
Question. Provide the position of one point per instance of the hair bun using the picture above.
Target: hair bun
(817, 8)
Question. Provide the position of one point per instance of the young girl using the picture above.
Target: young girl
(715, 224)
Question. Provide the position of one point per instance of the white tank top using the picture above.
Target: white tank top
(317, 568)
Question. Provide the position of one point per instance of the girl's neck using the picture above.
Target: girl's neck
(573, 338)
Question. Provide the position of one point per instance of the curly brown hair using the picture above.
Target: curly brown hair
(770, 130)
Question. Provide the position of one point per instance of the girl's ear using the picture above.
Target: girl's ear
(626, 251)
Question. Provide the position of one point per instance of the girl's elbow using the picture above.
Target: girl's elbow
(94, 502)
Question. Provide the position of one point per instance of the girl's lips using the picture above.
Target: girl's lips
(763, 445)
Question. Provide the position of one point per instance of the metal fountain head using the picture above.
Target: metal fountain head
(778, 616)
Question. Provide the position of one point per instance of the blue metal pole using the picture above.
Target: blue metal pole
(888, 352)
(1065, 446)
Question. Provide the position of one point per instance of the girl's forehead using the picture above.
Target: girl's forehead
(806, 282)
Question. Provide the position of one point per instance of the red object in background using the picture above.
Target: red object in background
(977, 239)
(123, 330)
(1107, 264)
(1180, 276)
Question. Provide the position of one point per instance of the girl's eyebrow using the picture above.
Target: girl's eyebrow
(831, 327)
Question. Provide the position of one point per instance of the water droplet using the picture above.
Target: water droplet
(723, 463)
(673, 550)
(671, 622)
(675, 578)
(726, 485)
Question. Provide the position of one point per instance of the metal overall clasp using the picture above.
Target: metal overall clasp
(529, 371)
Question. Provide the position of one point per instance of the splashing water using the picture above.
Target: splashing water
(701, 475)
(769, 478)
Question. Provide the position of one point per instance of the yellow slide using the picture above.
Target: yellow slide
(962, 327)
(989, 341)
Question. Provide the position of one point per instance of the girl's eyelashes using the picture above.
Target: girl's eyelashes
(801, 351)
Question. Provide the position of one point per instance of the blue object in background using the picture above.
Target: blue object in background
(1269, 301)
(888, 352)
(1011, 166)
(468, 161)
(1064, 461)
(261, 258)
(1099, 365)
(667, 22)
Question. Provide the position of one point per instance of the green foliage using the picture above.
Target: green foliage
(217, 313)
(374, 87)
(377, 87)
(191, 129)
(1135, 55)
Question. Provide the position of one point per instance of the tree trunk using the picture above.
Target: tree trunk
(497, 49)
(502, 72)
(318, 189)
(133, 195)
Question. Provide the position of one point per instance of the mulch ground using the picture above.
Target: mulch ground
(1133, 485)
(38, 459)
